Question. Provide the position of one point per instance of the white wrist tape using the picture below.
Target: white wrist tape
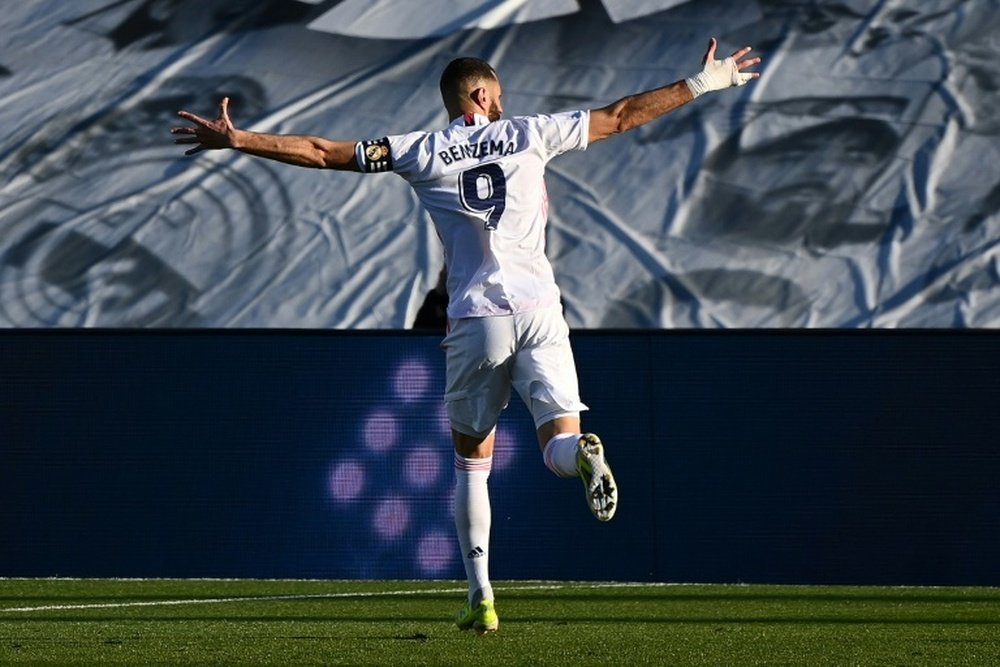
(717, 75)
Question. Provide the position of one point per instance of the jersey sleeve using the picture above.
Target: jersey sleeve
(396, 153)
(561, 132)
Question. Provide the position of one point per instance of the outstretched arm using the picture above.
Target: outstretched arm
(635, 110)
(300, 150)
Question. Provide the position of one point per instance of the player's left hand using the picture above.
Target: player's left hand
(208, 134)
(721, 74)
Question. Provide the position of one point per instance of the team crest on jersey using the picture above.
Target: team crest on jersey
(378, 155)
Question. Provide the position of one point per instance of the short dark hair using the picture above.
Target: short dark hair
(461, 70)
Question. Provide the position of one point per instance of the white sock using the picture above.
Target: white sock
(560, 454)
(472, 522)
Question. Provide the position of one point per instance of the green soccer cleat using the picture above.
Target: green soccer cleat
(599, 483)
(482, 618)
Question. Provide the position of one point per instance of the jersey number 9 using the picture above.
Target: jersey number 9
(484, 191)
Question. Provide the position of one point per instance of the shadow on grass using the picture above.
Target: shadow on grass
(790, 619)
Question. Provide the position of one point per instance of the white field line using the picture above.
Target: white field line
(315, 596)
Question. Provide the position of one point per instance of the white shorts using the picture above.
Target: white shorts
(485, 356)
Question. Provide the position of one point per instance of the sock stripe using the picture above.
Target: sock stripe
(548, 453)
(473, 465)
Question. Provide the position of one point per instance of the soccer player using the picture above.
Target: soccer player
(481, 181)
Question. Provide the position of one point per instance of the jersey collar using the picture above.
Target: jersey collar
(470, 119)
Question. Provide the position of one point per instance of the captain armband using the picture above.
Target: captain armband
(374, 155)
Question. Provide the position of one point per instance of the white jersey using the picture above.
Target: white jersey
(482, 184)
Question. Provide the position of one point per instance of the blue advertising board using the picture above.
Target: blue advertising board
(780, 457)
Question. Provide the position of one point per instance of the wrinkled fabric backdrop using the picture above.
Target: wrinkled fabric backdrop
(855, 184)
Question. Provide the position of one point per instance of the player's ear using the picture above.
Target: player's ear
(479, 96)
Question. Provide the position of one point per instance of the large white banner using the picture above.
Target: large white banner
(855, 184)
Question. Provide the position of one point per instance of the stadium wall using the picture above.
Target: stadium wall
(783, 457)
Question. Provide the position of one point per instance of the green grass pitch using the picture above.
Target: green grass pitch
(279, 622)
